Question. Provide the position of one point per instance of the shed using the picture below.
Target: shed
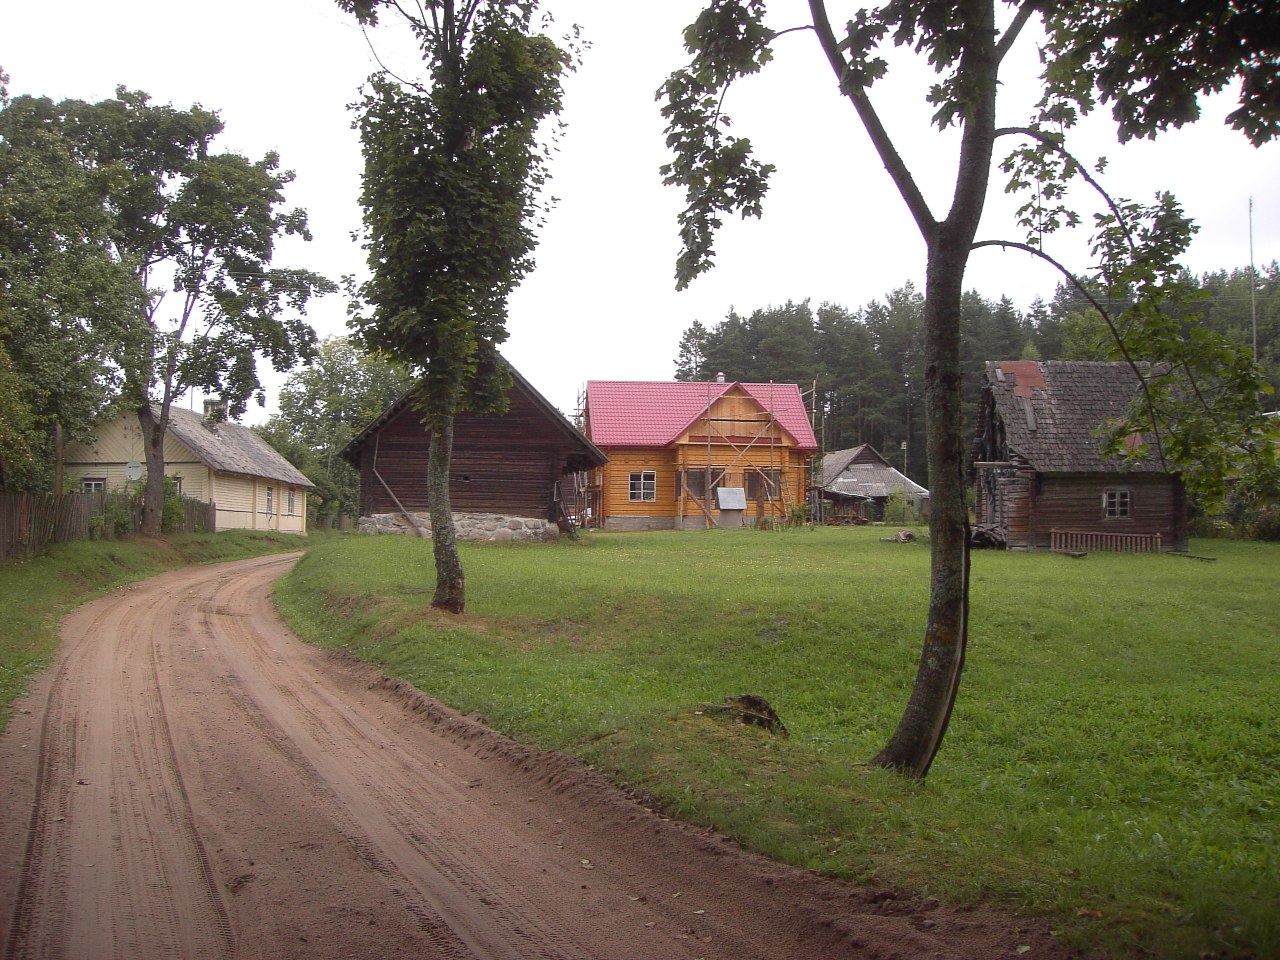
(1042, 481)
(512, 475)
(855, 484)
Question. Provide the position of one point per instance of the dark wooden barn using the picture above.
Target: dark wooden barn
(1041, 480)
(519, 465)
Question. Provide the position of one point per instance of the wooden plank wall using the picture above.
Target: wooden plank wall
(1157, 505)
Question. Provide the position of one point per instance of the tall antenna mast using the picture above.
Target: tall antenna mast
(1253, 286)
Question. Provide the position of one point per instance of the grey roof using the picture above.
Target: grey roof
(231, 448)
(862, 472)
(1054, 412)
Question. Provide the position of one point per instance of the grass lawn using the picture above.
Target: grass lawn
(1112, 761)
(35, 593)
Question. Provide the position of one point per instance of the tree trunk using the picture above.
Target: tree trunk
(915, 743)
(924, 721)
(153, 431)
(450, 592)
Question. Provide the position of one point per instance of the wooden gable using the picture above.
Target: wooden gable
(736, 418)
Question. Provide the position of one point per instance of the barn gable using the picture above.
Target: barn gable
(513, 465)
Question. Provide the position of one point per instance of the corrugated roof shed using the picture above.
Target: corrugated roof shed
(862, 472)
(232, 448)
(1054, 412)
(630, 413)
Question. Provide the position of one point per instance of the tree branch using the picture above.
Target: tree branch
(1054, 145)
(889, 156)
(1011, 33)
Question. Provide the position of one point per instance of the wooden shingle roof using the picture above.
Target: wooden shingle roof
(231, 448)
(1055, 412)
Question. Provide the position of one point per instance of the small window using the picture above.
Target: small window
(177, 485)
(93, 485)
(271, 495)
(695, 481)
(764, 484)
(643, 485)
(292, 502)
(1115, 504)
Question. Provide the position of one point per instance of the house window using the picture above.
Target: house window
(643, 485)
(271, 496)
(177, 485)
(695, 481)
(1115, 504)
(764, 484)
(292, 503)
(93, 485)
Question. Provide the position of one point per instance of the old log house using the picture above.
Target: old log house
(510, 472)
(1041, 479)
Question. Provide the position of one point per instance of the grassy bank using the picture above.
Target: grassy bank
(36, 593)
(1112, 760)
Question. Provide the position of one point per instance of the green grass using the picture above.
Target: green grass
(35, 593)
(1112, 761)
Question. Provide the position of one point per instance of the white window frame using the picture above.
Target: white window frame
(93, 484)
(271, 495)
(293, 506)
(644, 482)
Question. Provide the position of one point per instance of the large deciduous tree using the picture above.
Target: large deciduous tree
(322, 405)
(453, 171)
(65, 298)
(196, 231)
(1108, 50)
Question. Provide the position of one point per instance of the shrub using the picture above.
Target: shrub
(898, 510)
(1266, 525)
(171, 517)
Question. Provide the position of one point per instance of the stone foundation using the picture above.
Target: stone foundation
(468, 526)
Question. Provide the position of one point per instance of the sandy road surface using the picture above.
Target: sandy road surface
(190, 781)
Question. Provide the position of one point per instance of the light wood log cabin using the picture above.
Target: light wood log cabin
(696, 455)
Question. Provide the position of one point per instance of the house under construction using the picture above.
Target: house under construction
(694, 455)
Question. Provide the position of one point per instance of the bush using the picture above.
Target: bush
(172, 516)
(899, 511)
(1266, 525)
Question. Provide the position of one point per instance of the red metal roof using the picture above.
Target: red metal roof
(629, 413)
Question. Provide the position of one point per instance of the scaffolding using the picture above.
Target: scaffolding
(729, 455)
(579, 496)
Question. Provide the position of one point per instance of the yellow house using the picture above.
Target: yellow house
(692, 455)
(251, 485)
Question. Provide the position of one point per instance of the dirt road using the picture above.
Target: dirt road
(191, 781)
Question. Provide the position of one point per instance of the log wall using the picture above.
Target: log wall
(504, 464)
(1157, 505)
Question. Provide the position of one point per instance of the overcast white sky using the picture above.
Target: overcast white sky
(601, 303)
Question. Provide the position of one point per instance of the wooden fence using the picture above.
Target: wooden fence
(1073, 541)
(30, 523)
